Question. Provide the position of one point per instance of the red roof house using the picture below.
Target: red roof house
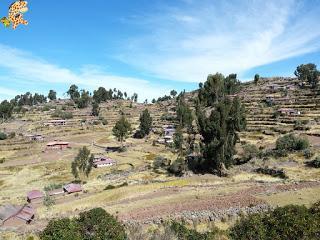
(26, 214)
(57, 145)
(34, 195)
(72, 188)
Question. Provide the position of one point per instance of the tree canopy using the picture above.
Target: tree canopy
(95, 224)
(83, 163)
(52, 95)
(121, 129)
(145, 123)
(308, 73)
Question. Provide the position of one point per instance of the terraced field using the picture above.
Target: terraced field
(148, 196)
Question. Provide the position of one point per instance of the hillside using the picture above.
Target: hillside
(143, 195)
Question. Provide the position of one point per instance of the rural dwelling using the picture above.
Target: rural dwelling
(35, 137)
(59, 122)
(289, 111)
(57, 145)
(169, 130)
(34, 195)
(72, 188)
(103, 162)
(26, 214)
(11, 215)
(273, 87)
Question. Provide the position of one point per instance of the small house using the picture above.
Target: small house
(34, 195)
(57, 145)
(72, 188)
(273, 87)
(289, 111)
(35, 137)
(26, 214)
(103, 162)
(58, 122)
(14, 215)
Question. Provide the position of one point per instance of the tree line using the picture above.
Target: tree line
(82, 98)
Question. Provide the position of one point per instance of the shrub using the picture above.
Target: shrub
(308, 153)
(178, 167)
(301, 125)
(60, 229)
(249, 151)
(160, 162)
(48, 201)
(95, 224)
(315, 163)
(60, 114)
(291, 142)
(2, 160)
(109, 187)
(272, 172)
(52, 186)
(3, 136)
(12, 135)
(183, 233)
(290, 222)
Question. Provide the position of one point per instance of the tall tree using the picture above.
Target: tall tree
(212, 90)
(101, 95)
(220, 129)
(308, 73)
(6, 110)
(95, 109)
(145, 123)
(52, 95)
(82, 164)
(256, 79)
(121, 129)
(83, 100)
(178, 140)
(173, 93)
(184, 113)
(73, 92)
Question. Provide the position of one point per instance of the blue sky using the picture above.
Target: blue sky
(151, 47)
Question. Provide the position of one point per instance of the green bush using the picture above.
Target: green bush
(110, 187)
(183, 233)
(315, 163)
(61, 229)
(308, 153)
(95, 224)
(291, 142)
(3, 136)
(178, 167)
(61, 114)
(2, 160)
(249, 151)
(160, 162)
(290, 222)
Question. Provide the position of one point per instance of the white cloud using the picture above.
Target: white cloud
(24, 66)
(186, 44)
(7, 92)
